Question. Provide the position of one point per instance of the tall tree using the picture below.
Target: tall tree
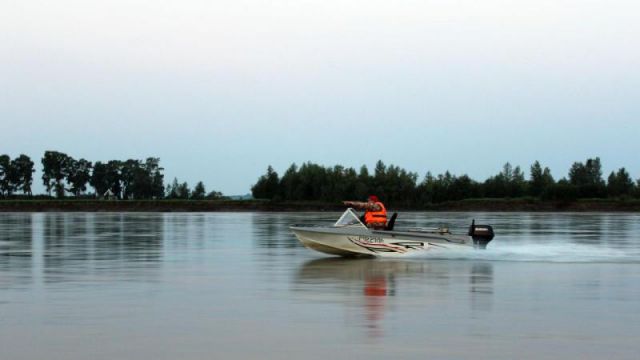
(497, 186)
(156, 178)
(463, 187)
(130, 177)
(349, 182)
(183, 191)
(362, 183)
(378, 183)
(507, 172)
(22, 168)
(78, 174)
(267, 185)
(170, 190)
(54, 165)
(99, 179)
(113, 177)
(517, 185)
(198, 191)
(426, 189)
(541, 179)
(587, 178)
(144, 180)
(177, 190)
(214, 195)
(594, 171)
(6, 174)
(289, 184)
(509, 182)
(620, 183)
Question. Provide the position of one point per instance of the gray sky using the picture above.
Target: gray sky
(220, 89)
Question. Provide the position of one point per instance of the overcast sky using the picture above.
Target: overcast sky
(220, 89)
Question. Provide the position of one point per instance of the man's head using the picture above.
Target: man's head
(373, 198)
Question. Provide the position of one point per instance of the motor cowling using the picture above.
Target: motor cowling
(481, 235)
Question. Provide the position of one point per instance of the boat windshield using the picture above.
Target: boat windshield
(348, 218)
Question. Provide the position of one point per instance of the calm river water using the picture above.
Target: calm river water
(238, 285)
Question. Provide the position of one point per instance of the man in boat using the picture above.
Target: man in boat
(375, 215)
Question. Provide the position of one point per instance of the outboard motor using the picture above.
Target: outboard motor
(481, 234)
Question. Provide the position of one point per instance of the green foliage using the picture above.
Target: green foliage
(113, 177)
(587, 178)
(177, 190)
(128, 173)
(563, 190)
(130, 179)
(22, 167)
(363, 183)
(314, 182)
(394, 184)
(62, 174)
(6, 175)
(199, 191)
(446, 187)
(141, 180)
(183, 191)
(214, 195)
(154, 178)
(398, 187)
(267, 186)
(289, 184)
(99, 178)
(138, 179)
(508, 183)
(78, 174)
(620, 184)
(54, 171)
(541, 180)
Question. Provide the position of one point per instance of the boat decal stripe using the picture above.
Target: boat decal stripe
(377, 247)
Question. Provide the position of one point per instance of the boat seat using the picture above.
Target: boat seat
(392, 221)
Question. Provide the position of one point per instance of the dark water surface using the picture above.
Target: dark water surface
(238, 285)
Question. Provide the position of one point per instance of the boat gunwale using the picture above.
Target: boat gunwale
(457, 239)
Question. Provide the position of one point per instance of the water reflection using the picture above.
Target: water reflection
(579, 228)
(369, 287)
(617, 230)
(67, 246)
(586, 228)
(271, 231)
(481, 286)
(77, 244)
(16, 239)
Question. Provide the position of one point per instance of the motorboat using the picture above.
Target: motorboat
(350, 237)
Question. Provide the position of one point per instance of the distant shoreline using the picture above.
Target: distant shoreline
(508, 205)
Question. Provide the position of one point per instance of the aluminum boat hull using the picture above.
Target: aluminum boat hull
(360, 241)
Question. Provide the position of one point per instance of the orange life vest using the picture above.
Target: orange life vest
(376, 217)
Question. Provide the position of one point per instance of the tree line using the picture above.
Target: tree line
(63, 176)
(399, 187)
(15, 175)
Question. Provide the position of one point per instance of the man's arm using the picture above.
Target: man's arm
(362, 205)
